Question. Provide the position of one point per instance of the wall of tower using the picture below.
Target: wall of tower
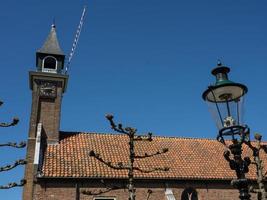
(49, 116)
(47, 111)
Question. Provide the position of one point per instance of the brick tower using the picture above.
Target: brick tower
(48, 83)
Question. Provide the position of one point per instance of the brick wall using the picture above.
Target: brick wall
(46, 111)
(67, 190)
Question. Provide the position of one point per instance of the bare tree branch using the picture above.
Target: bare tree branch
(14, 184)
(141, 138)
(261, 192)
(107, 189)
(248, 143)
(89, 192)
(9, 167)
(149, 192)
(151, 170)
(118, 128)
(264, 147)
(131, 133)
(13, 123)
(18, 162)
(164, 150)
(14, 144)
(119, 166)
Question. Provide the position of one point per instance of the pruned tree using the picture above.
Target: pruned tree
(133, 137)
(261, 176)
(17, 162)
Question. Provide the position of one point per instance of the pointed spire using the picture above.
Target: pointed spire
(51, 45)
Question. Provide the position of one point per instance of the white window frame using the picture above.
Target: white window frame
(47, 69)
(103, 198)
(169, 194)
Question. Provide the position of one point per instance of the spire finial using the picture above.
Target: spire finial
(54, 23)
(219, 62)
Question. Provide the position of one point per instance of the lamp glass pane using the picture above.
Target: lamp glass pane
(228, 113)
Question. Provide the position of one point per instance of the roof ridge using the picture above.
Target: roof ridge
(153, 136)
(157, 136)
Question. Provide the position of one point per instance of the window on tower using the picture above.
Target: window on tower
(50, 64)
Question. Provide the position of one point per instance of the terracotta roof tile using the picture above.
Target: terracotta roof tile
(186, 158)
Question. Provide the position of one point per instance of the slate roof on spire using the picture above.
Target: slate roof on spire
(51, 45)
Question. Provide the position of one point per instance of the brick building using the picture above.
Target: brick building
(59, 166)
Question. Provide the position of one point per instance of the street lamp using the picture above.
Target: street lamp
(225, 99)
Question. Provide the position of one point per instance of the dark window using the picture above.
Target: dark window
(50, 63)
(189, 194)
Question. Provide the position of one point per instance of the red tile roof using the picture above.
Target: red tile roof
(186, 158)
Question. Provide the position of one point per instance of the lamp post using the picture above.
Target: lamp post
(225, 100)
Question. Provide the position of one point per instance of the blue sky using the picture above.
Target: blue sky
(145, 61)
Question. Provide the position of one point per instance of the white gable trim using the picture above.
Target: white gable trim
(37, 144)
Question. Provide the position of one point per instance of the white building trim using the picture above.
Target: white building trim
(37, 144)
(169, 194)
(44, 69)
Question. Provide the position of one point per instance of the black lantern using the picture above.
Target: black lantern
(225, 99)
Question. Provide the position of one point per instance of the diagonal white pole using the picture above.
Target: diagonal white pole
(76, 39)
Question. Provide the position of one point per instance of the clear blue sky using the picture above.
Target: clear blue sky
(145, 61)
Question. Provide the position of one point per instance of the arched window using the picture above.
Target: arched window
(49, 64)
(189, 194)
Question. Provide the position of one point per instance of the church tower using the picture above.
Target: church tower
(48, 84)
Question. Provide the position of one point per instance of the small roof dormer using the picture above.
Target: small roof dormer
(50, 58)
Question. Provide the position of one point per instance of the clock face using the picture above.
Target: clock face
(48, 90)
